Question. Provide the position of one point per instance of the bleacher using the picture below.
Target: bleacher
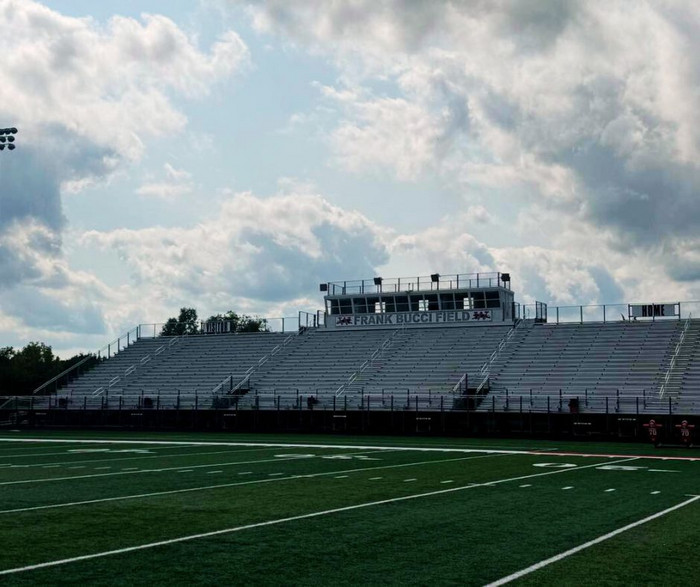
(437, 342)
(591, 362)
(170, 367)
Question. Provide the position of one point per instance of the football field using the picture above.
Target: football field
(175, 509)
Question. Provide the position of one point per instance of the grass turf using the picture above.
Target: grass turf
(488, 515)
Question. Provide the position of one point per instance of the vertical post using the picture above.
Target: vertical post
(581, 312)
(283, 323)
(557, 314)
(603, 313)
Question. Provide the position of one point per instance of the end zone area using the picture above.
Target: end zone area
(111, 509)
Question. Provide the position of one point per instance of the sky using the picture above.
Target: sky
(229, 155)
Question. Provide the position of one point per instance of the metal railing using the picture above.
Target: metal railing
(246, 377)
(378, 353)
(674, 358)
(422, 283)
(106, 352)
(485, 370)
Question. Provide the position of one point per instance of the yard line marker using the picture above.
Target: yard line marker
(590, 543)
(568, 487)
(275, 474)
(409, 480)
(240, 483)
(246, 473)
(77, 467)
(213, 472)
(50, 466)
(101, 468)
(447, 481)
(655, 492)
(610, 490)
(293, 519)
(526, 485)
(663, 471)
(341, 477)
(131, 469)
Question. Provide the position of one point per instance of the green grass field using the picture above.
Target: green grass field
(176, 509)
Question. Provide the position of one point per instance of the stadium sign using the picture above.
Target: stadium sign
(653, 310)
(412, 318)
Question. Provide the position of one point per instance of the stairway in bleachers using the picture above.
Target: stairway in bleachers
(432, 360)
(686, 376)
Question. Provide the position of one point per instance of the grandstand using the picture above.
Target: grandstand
(457, 343)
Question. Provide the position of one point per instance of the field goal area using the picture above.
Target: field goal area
(128, 508)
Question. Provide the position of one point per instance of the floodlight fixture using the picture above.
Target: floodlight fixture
(7, 138)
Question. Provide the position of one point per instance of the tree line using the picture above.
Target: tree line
(187, 322)
(23, 370)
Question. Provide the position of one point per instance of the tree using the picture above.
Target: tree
(252, 324)
(242, 323)
(185, 323)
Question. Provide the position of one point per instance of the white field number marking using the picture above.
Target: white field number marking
(140, 451)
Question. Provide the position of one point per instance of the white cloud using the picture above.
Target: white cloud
(257, 250)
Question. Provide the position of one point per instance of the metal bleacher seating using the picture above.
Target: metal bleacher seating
(601, 364)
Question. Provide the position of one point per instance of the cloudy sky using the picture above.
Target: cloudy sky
(233, 155)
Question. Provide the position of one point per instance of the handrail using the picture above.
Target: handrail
(251, 370)
(485, 370)
(458, 385)
(128, 337)
(379, 351)
(62, 373)
(674, 358)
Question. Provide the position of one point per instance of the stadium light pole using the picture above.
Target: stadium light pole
(7, 139)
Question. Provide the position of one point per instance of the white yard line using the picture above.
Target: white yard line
(590, 543)
(293, 519)
(358, 447)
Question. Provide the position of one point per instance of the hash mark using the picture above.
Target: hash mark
(609, 490)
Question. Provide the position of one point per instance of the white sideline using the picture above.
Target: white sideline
(354, 447)
(590, 543)
(289, 519)
(225, 485)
